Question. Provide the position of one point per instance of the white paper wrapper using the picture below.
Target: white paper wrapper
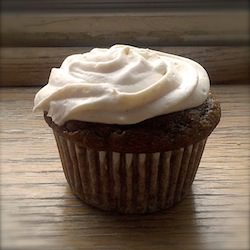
(126, 182)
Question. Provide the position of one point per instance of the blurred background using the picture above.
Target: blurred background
(37, 35)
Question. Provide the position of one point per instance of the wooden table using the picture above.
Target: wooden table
(40, 212)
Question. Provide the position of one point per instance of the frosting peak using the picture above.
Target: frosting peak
(122, 85)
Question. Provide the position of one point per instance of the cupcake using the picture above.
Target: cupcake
(130, 124)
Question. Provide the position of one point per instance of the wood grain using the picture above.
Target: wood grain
(38, 210)
(177, 28)
(31, 66)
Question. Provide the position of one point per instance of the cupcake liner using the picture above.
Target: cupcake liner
(129, 182)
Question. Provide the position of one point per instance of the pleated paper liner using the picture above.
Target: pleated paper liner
(127, 182)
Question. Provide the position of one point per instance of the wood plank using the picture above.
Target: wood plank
(31, 66)
(86, 5)
(169, 28)
(38, 210)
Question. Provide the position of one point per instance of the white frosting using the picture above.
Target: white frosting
(122, 85)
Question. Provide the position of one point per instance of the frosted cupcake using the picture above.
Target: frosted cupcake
(130, 124)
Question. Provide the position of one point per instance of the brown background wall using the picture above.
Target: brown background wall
(34, 40)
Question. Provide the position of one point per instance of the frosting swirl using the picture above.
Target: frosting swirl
(122, 85)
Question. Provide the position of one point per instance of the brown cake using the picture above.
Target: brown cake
(161, 133)
(136, 168)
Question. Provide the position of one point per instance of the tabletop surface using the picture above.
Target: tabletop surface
(38, 210)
